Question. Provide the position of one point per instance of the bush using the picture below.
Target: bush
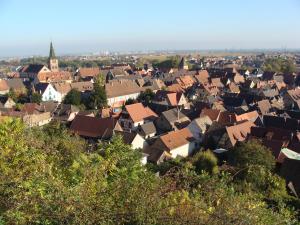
(205, 161)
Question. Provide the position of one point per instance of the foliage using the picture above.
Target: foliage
(36, 98)
(131, 101)
(171, 62)
(97, 98)
(100, 79)
(73, 97)
(61, 183)
(12, 94)
(279, 65)
(205, 161)
(250, 153)
(146, 96)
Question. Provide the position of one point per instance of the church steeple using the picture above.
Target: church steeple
(52, 61)
(52, 53)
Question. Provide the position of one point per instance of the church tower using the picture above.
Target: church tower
(52, 61)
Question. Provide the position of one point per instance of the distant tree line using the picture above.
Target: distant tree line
(279, 65)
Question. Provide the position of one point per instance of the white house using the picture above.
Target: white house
(199, 126)
(176, 143)
(119, 91)
(48, 92)
(136, 115)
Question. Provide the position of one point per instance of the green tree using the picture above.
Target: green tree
(98, 98)
(73, 97)
(12, 94)
(130, 101)
(250, 153)
(36, 98)
(146, 96)
(205, 161)
(61, 183)
(279, 65)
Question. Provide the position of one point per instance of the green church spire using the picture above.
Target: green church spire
(52, 53)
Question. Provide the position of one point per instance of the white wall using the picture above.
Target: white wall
(113, 100)
(50, 94)
(184, 150)
(139, 142)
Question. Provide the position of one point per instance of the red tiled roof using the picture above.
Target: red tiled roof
(178, 138)
(138, 112)
(93, 127)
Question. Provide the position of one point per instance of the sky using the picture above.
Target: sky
(28, 26)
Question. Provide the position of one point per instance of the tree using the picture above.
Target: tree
(98, 98)
(279, 65)
(250, 153)
(36, 98)
(205, 161)
(73, 97)
(62, 183)
(100, 79)
(146, 96)
(130, 101)
(255, 164)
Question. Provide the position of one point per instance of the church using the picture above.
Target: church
(39, 73)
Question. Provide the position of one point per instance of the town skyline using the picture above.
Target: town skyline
(93, 26)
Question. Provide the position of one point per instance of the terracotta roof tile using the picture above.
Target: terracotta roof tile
(138, 112)
(178, 138)
(239, 132)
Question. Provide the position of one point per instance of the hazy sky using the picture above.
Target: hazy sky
(77, 26)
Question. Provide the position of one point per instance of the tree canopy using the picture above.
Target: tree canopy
(73, 97)
(279, 65)
(47, 176)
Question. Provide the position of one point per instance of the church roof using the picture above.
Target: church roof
(52, 53)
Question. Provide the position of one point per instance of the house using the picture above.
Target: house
(135, 115)
(40, 119)
(82, 86)
(233, 88)
(85, 73)
(171, 99)
(175, 88)
(264, 106)
(48, 92)
(172, 119)
(54, 77)
(233, 134)
(147, 130)
(213, 114)
(119, 91)
(231, 103)
(176, 99)
(32, 108)
(217, 82)
(32, 71)
(185, 82)
(291, 99)
(62, 88)
(65, 112)
(179, 143)
(94, 128)
(6, 102)
(268, 75)
(17, 85)
(4, 88)
(135, 140)
(202, 77)
(199, 126)
(207, 90)
(250, 116)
